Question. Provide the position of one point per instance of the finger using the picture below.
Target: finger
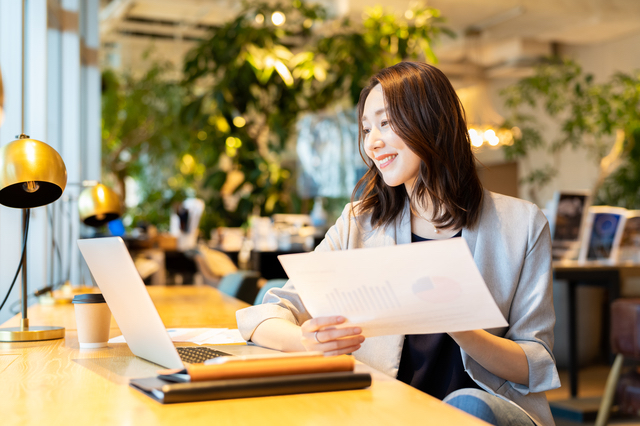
(343, 351)
(316, 324)
(327, 335)
(334, 345)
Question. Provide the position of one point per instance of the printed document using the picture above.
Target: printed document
(417, 288)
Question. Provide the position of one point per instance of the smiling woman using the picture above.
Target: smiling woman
(422, 185)
(420, 119)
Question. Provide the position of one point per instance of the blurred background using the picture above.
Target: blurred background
(227, 129)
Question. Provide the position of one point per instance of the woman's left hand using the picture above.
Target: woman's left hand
(321, 334)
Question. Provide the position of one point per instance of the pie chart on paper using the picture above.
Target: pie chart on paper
(436, 289)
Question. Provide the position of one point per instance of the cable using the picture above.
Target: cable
(69, 248)
(24, 250)
(56, 248)
(37, 293)
(50, 287)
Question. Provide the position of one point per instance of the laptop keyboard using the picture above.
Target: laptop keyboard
(198, 354)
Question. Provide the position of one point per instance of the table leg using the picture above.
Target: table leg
(613, 292)
(573, 339)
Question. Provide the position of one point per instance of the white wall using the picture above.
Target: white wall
(10, 219)
(63, 110)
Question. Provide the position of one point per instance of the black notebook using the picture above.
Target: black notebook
(167, 392)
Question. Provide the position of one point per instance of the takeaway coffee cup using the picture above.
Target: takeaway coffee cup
(93, 319)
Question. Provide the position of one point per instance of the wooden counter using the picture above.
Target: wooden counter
(57, 383)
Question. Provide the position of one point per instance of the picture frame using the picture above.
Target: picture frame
(567, 223)
(629, 251)
(602, 234)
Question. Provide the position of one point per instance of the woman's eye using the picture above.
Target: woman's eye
(384, 122)
(366, 131)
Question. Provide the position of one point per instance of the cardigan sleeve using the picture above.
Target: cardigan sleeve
(285, 302)
(532, 315)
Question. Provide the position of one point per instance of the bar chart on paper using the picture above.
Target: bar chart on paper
(363, 299)
(384, 291)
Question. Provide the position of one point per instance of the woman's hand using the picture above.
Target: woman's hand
(320, 334)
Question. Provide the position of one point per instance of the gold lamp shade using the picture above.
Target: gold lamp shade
(99, 205)
(32, 174)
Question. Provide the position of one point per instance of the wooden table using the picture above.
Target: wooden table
(56, 383)
(576, 274)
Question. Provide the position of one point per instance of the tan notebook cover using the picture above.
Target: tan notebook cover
(268, 367)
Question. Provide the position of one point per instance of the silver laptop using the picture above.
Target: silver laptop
(115, 274)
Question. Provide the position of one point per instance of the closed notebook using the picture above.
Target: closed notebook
(236, 368)
(167, 392)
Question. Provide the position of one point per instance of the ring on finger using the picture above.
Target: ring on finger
(316, 337)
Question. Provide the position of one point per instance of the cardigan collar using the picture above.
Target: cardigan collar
(403, 227)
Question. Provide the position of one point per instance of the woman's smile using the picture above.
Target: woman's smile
(385, 160)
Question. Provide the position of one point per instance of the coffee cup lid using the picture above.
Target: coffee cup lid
(88, 298)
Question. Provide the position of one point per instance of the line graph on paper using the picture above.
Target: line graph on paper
(363, 299)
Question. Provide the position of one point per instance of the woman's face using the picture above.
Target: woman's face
(396, 162)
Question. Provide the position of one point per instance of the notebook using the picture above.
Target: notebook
(114, 272)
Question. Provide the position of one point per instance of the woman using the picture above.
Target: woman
(422, 185)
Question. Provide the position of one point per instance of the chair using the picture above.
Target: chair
(212, 264)
(242, 285)
(625, 342)
(274, 283)
(218, 270)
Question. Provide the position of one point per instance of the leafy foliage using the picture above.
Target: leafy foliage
(264, 77)
(141, 138)
(244, 89)
(622, 187)
(588, 114)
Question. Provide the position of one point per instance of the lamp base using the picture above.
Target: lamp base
(30, 334)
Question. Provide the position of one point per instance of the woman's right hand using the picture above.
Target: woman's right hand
(321, 334)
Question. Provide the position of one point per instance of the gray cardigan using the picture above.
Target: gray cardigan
(511, 246)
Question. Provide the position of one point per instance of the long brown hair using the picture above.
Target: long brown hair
(425, 112)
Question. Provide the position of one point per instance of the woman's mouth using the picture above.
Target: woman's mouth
(385, 161)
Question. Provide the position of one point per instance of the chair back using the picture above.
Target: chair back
(242, 285)
(625, 327)
(213, 264)
(274, 283)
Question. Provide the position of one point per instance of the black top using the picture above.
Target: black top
(432, 362)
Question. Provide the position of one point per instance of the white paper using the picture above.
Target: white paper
(199, 336)
(417, 288)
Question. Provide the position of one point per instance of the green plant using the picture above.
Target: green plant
(589, 114)
(251, 81)
(141, 139)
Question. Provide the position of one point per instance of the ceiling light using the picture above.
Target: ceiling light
(482, 119)
(278, 18)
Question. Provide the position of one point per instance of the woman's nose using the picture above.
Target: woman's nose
(374, 140)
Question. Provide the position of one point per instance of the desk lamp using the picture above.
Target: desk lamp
(32, 174)
(99, 205)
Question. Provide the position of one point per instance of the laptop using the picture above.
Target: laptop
(114, 272)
